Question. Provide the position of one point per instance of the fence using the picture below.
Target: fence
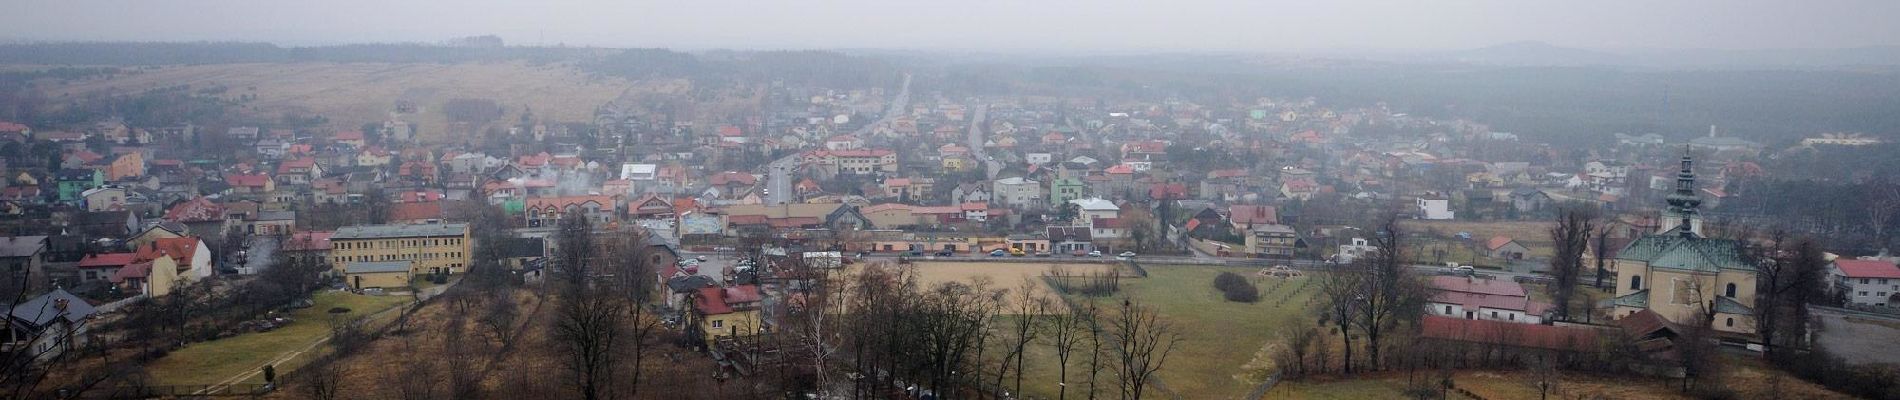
(181, 391)
(121, 303)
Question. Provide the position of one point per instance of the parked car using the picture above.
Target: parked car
(1017, 252)
(1095, 253)
(946, 253)
(1078, 253)
(1043, 254)
(1126, 255)
(916, 253)
(1464, 270)
(998, 253)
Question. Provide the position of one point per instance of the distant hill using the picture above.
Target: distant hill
(1536, 54)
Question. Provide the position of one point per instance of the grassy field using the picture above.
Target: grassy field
(1225, 346)
(214, 361)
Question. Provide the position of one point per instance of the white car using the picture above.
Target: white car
(1125, 255)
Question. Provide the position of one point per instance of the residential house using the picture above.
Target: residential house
(970, 192)
(1299, 188)
(1271, 241)
(71, 183)
(192, 259)
(273, 223)
(1865, 283)
(24, 257)
(1016, 192)
(1434, 207)
(1529, 200)
(1065, 190)
(1246, 217)
(374, 156)
(1504, 248)
(152, 277)
(47, 326)
(1483, 299)
(858, 161)
(103, 198)
(103, 266)
(1094, 208)
(1070, 239)
(130, 165)
(250, 184)
(728, 311)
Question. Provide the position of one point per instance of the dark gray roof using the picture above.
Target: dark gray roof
(21, 246)
(522, 247)
(39, 311)
(285, 215)
(376, 266)
(399, 231)
(1726, 305)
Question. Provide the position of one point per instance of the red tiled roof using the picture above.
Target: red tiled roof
(745, 219)
(1508, 334)
(247, 180)
(606, 203)
(11, 127)
(415, 211)
(198, 209)
(1497, 242)
(1252, 214)
(181, 249)
(1474, 285)
(717, 300)
(1110, 223)
(1120, 169)
(138, 270)
(1867, 268)
(348, 135)
(107, 260)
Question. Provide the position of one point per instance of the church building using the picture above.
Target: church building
(1684, 276)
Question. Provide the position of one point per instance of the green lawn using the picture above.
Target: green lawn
(1224, 348)
(1358, 389)
(214, 361)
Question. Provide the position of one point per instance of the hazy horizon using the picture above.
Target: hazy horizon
(981, 25)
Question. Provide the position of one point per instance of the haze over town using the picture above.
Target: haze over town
(949, 200)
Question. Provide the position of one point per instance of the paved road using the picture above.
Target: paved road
(990, 165)
(778, 182)
(1870, 335)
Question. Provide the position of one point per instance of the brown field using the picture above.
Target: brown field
(350, 94)
(1001, 275)
(1532, 234)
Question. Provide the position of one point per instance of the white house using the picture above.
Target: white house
(1865, 282)
(638, 172)
(1484, 299)
(1016, 192)
(1358, 247)
(1434, 207)
(46, 326)
(1094, 208)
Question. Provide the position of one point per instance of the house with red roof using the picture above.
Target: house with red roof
(250, 183)
(308, 246)
(1874, 283)
(1245, 217)
(426, 212)
(193, 258)
(352, 138)
(1299, 188)
(728, 311)
(1504, 248)
(1483, 299)
(298, 171)
(103, 266)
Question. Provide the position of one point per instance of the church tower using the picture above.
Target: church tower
(1681, 215)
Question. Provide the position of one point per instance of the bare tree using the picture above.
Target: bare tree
(1390, 293)
(1543, 375)
(1064, 332)
(1571, 237)
(1600, 248)
(1790, 279)
(1340, 303)
(322, 379)
(500, 319)
(1143, 342)
(590, 320)
(1030, 303)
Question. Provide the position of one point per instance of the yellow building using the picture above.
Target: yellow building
(1681, 275)
(377, 274)
(727, 311)
(430, 248)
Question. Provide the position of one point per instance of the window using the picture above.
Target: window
(1636, 282)
(1730, 291)
(1863, 281)
(719, 323)
(1494, 315)
(1447, 310)
(1863, 293)
(1513, 316)
(1730, 322)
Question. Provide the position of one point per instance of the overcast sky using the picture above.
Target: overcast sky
(1080, 25)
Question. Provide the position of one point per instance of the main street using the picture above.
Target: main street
(990, 166)
(778, 182)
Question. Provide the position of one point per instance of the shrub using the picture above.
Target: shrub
(1236, 288)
